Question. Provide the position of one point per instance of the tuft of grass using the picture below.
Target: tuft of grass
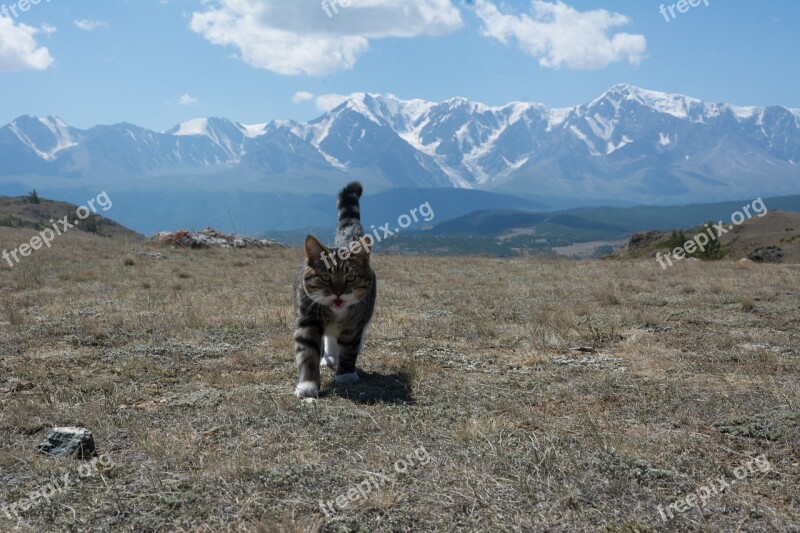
(12, 312)
(748, 304)
(607, 297)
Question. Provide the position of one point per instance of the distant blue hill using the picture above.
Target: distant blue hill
(607, 222)
(253, 213)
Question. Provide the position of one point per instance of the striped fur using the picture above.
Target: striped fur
(334, 301)
(349, 228)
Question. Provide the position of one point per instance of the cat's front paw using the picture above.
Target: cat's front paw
(307, 389)
(346, 379)
(328, 361)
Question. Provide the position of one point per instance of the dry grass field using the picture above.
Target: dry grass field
(183, 369)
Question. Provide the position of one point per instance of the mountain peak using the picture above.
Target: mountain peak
(677, 105)
(623, 88)
(49, 120)
(627, 91)
(195, 126)
(615, 144)
(456, 101)
(44, 136)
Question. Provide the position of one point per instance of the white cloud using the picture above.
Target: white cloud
(298, 37)
(187, 100)
(19, 49)
(47, 29)
(302, 96)
(558, 34)
(324, 102)
(90, 25)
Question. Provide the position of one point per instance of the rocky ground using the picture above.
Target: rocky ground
(211, 238)
(496, 395)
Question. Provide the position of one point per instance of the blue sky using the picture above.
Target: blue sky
(159, 62)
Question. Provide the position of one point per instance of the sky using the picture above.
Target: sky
(156, 63)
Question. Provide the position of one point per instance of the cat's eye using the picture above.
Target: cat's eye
(325, 277)
(350, 278)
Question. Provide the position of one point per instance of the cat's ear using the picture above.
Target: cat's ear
(315, 251)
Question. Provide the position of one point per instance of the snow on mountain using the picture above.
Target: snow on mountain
(228, 136)
(251, 131)
(676, 105)
(629, 141)
(197, 126)
(45, 136)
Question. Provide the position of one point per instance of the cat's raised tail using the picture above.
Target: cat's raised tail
(349, 228)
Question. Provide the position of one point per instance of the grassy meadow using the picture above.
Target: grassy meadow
(548, 395)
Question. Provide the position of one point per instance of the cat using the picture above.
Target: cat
(335, 294)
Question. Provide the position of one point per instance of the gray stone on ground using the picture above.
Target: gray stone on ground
(68, 441)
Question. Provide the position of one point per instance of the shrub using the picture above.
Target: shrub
(676, 240)
(91, 224)
(713, 250)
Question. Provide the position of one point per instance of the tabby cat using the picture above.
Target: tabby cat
(334, 299)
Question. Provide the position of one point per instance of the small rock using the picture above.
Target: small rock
(745, 260)
(68, 441)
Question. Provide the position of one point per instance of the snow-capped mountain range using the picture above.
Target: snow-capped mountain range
(630, 143)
